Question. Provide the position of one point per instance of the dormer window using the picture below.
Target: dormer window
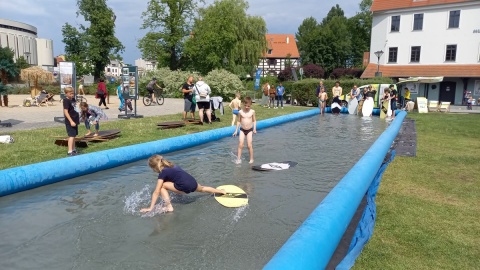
(269, 51)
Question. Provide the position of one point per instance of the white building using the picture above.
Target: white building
(45, 52)
(144, 66)
(281, 52)
(114, 69)
(22, 39)
(429, 39)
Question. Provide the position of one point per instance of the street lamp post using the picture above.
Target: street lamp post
(378, 54)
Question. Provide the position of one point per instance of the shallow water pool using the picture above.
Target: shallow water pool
(92, 222)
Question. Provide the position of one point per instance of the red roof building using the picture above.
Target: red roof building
(281, 51)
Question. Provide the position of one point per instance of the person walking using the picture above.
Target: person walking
(102, 93)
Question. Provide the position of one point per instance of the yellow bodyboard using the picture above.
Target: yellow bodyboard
(235, 197)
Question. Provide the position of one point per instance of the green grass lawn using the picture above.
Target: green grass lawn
(428, 207)
(33, 146)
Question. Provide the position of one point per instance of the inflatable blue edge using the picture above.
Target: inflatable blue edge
(315, 241)
(26, 177)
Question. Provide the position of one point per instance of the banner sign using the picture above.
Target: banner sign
(67, 77)
(257, 78)
(130, 81)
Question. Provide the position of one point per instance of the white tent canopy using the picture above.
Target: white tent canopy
(421, 80)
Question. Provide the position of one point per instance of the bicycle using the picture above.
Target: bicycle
(147, 99)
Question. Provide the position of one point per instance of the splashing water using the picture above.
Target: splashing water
(140, 199)
(240, 213)
(234, 158)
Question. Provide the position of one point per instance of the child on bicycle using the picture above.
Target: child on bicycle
(151, 87)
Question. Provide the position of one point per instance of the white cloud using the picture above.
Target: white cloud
(281, 16)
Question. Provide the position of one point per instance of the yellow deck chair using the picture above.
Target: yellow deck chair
(444, 106)
(433, 105)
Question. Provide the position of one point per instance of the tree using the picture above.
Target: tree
(169, 22)
(360, 27)
(224, 36)
(8, 69)
(97, 40)
(307, 40)
(76, 49)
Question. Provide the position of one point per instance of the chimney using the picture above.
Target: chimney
(288, 39)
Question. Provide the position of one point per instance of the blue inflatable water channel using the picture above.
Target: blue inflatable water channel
(310, 247)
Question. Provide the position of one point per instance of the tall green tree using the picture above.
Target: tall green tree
(76, 49)
(98, 39)
(307, 41)
(360, 27)
(225, 36)
(8, 70)
(169, 23)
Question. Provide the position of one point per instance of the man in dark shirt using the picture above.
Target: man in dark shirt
(187, 90)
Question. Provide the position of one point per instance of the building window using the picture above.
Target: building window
(451, 54)
(454, 20)
(418, 21)
(269, 51)
(272, 62)
(392, 55)
(395, 24)
(415, 55)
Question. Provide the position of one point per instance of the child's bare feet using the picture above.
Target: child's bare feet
(251, 161)
(167, 209)
(95, 135)
(238, 161)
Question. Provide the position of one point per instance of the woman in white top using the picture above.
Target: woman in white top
(202, 96)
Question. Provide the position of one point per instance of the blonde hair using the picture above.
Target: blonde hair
(68, 89)
(157, 163)
(237, 95)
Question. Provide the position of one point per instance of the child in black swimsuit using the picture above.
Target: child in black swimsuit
(246, 118)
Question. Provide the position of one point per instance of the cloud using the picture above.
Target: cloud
(281, 16)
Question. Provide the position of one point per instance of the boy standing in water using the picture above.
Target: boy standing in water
(246, 118)
(322, 99)
(235, 106)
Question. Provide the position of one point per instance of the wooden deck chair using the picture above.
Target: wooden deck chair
(444, 106)
(433, 106)
(42, 99)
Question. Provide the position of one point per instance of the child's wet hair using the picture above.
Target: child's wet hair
(247, 100)
(157, 163)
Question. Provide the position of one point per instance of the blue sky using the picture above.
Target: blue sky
(281, 16)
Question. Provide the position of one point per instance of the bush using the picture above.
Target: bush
(346, 73)
(285, 75)
(224, 83)
(313, 71)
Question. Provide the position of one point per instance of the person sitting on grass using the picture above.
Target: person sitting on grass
(91, 115)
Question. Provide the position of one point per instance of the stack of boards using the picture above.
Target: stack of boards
(81, 142)
(177, 124)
